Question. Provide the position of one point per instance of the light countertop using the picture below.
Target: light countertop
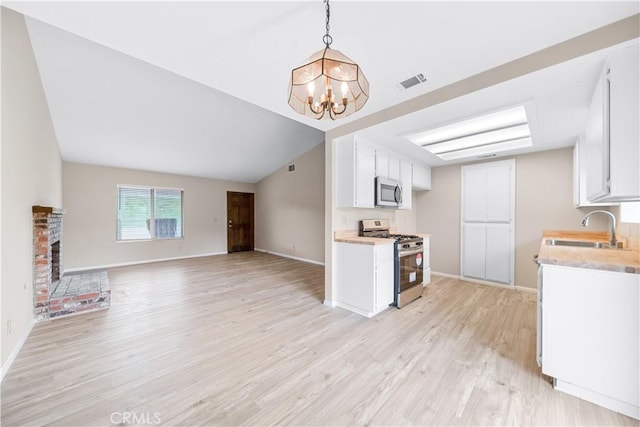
(351, 236)
(621, 260)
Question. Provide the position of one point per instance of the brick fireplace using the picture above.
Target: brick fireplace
(56, 294)
(47, 253)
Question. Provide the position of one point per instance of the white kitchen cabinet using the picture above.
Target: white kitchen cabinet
(488, 245)
(426, 259)
(394, 168)
(612, 134)
(421, 176)
(387, 164)
(355, 173)
(406, 173)
(580, 177)
(364, 277)
(382, 163)
(590, 335)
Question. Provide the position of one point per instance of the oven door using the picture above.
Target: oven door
(411, 268)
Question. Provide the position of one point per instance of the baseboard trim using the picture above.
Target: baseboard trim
(354, 309)
(14, 353)
(526, 289)
(147, 261)
(290, 256)
(484, 282)
(611, 403)
(329, 303)
(447, 275)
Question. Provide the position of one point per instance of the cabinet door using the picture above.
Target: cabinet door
(590, 330)
(382, 163)
(384, 286)
(394, 168)
(487, 221)
(473, 250)
(426, 272)
(405, 178)
(474, 194)
(624, 130)
(421, 176)
(498, 253)
(498, 193)
(580, 176)
(365, 175)
(597, 143)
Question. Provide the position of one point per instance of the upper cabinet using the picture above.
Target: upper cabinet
(359, 161)
(387, 164)
(355, 173)
(406, 173)
(580, 177)
(612, 134)
(421, 176)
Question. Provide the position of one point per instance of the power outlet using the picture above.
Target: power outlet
(9, 326)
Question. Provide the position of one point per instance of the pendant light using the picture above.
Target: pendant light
(328, 84)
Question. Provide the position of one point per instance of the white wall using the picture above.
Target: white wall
(544, 201)
(31, 175)
(90, 220)
(290, 209)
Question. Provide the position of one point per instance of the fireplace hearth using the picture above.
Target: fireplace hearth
(56, 295)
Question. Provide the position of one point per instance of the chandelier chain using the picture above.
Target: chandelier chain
(327, 39)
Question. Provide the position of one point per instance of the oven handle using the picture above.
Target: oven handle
(412, 252)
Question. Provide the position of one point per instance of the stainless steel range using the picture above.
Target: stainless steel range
(407, 255)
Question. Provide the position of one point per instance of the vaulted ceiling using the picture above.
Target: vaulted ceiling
(200, 88)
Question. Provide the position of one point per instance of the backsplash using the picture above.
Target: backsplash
(404, 221)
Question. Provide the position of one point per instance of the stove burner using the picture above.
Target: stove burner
(404, 236)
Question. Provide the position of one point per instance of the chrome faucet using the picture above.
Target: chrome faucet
(612, 222)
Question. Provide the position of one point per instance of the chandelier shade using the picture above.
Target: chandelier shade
(328, 84)
(328, 73)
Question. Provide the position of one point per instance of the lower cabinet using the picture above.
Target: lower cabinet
(590, 335)
(426, 259)
(364, 277)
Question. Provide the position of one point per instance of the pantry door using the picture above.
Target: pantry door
(487, 229)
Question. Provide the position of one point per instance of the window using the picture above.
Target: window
(149, 213)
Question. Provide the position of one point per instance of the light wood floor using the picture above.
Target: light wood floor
(244, 339)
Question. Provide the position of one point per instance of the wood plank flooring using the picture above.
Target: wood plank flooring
(244, 339)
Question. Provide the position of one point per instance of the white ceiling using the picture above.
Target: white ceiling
(151, 78)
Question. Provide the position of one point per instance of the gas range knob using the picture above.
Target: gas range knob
(406, 246)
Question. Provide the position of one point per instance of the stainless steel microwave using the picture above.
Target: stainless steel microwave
(388, 192)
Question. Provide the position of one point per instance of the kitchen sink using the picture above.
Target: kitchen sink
(583, 244)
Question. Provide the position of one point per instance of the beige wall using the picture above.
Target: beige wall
(31, 174)
(90, 220)
(544, 201)
(290, 209)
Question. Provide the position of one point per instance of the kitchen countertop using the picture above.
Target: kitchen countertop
(351, 236)
(621, 260)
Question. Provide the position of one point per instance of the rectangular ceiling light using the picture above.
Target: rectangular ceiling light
(490, 133)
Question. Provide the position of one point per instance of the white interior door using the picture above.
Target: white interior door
(488, 207)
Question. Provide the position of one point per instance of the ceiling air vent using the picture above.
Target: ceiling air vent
(411, 81)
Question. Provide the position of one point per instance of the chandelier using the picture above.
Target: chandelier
(314, 85)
